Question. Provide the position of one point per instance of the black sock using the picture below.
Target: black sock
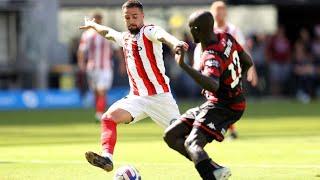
(205, 169)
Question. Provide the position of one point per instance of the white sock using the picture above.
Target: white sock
(106, 154)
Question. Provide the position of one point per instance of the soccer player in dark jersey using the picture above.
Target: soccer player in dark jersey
(223, 64)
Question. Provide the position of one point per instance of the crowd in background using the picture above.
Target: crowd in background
(286, 68)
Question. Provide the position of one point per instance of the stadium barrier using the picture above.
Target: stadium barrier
(53, 99)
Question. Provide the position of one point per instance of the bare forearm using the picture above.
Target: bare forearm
(102, 30)
(207, 83)
(168, 39)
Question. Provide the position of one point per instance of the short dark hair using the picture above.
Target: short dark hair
(132, 4)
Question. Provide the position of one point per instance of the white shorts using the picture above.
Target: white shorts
(161, 108)
(100, 79)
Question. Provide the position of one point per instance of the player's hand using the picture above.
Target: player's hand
(185, 45)
(252, 76)
(179, 55)
(88, 23)
(182, 44)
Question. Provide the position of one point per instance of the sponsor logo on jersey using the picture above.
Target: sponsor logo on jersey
(210, 51)
(212, 63)
(211, 126)
(228, 48)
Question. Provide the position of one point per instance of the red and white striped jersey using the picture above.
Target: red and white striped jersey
(98, 51)
(144, 60)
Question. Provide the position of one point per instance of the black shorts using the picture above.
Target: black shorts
(212, 119)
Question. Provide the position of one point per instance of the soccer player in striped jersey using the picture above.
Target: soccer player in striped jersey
(150, 94)
(94, 58)
(223, 64)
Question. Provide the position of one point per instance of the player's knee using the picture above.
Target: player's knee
(188, 143)
(117, 115)
(168, 137)
(109, 116)
(106, 117)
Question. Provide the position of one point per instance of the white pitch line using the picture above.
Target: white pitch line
(294, 166)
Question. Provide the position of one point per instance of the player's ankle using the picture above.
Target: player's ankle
(108, 155)
(205, 169)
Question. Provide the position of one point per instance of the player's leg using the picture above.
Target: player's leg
(103, 83)
(163, 109)
(175, 136)
(92, 77)
(194, 145)
(210, 124)
(123, 111)
(109, 123)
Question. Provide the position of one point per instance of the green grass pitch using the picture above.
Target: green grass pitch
(278, 140)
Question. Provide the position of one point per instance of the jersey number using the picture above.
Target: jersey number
(235, 69)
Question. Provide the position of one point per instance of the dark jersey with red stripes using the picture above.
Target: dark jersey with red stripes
(221, 61)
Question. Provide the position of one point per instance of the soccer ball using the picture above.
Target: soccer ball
(127, 172)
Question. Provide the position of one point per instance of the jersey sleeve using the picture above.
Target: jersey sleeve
(116, 36)
(155, 33)
(211, 66)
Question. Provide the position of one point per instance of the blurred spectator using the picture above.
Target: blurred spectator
(95, 59)
(221, 25)
(73, 50)
(317, 77)
(304, 71)
(278, 54)
(81, 78)
(256, 44)
(316, 43)
(304, 39)
(316, 54)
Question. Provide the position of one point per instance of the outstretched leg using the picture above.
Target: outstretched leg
(109, 123)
